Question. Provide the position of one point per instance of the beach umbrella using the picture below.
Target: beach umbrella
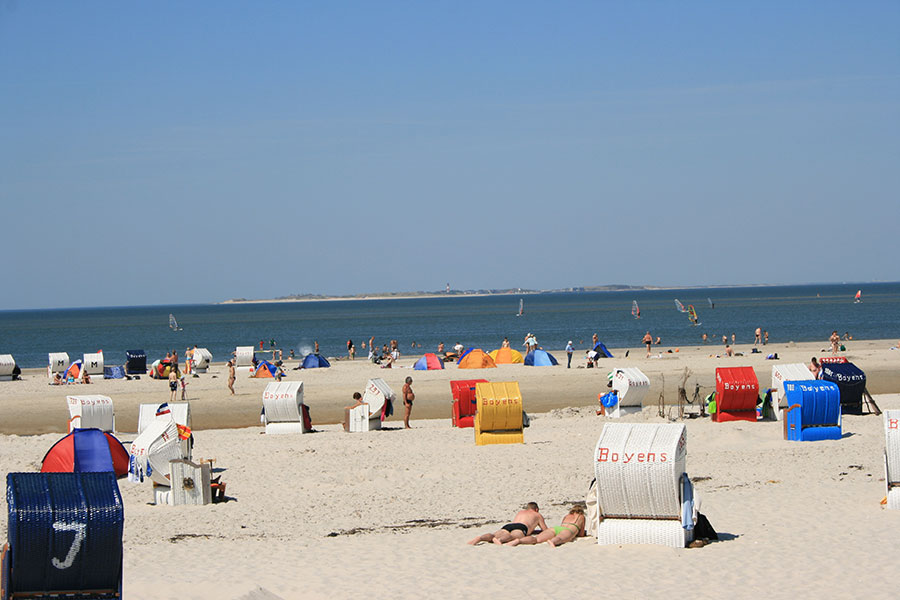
(429, 362)
(315, 361)
(507, 356)
(540, 358)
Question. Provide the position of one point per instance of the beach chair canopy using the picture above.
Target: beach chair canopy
(152, 450)
(540, 358)
(93, 363)
(202, 358)
(475, 358)
(631, 386)
(429, 362)
(851, 381)
(464, 401)
(507, 356)
(86, 451)
(244, 356)
(135, 362)
(180, 411)
(7, 365)
(378, 394)
(737, 391)
(58, 362)
(283, 408)
(47, 511)
(91, 411)
(315, 361)
(813, 411)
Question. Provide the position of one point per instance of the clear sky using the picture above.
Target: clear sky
(177, 152)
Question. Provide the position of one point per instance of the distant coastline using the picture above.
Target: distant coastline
(478, 293)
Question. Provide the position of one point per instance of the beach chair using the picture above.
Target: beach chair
(58, 362)
(93, 363)
(152, 450)
(243, 360)
(780, 374)
(179, 411)
(498, 419)
(283, 408)
(737, 391)
(851, 381)
(464, 403)
(202, 357)
(65, 536)
(644, 495)
(813, 411)
(135, 362)
(833, 360)
(892, 457)
(630, 385)
(379, 398)
(7, 366)
(91, 411)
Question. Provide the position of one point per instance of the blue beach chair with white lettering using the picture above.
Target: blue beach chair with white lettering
(65, 536)
(813, 411)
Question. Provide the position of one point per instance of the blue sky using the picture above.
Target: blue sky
(194, 152)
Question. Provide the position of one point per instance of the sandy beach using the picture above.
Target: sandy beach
(387, 514)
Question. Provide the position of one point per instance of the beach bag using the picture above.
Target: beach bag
(592, 509)
(703, 530)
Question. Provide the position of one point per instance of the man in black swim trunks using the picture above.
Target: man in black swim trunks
(524, 523)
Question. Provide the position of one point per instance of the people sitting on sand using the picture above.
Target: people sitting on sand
(572, 527)
(85, 378)
(387, 362)
(729, 351)
(815, 368)
(57, 379)
(523, 524)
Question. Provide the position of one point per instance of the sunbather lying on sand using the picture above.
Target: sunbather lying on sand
(524, 523)
(572, 526)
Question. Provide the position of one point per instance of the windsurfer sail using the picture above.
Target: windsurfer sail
(858, 297)
(711, 303)
(635, 310)
(692, 314)
(521, 307)
(173, 324)
(679, 306)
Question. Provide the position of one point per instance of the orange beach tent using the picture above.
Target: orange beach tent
(507, 356)
(475, 358)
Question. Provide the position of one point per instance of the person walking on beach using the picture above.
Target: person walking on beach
(569, 350)
(758, 336)
(524, 523)
(408, 397)
(231, 377)
(835, 340)
(647, 341)
(173, 383)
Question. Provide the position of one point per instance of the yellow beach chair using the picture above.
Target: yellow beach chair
(498, 419)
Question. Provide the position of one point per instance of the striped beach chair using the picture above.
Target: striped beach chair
(892, 457)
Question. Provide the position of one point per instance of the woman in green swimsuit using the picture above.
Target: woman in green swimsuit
(572, 526)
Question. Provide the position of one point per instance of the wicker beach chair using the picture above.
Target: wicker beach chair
(643, 493)
(283, 408)
(499, 416)
(202, 357)
(813, 412)
(65, 536)
(243, 360)
(631, 386)
(179, 411)
(370, 415)
(57, 362)
(93, 363)
(892, 457)
(780, 374)
(152, 450)
(852, 382)
(7, 366)
(91, 411)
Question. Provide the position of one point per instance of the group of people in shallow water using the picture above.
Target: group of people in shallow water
(528, 527)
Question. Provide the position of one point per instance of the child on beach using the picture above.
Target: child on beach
(523, 524)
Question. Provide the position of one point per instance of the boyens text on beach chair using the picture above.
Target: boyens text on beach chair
(92, 411)
(630, 385)
(892, 457)
(283, 408)
(464, 403)
(58, 362)
(379, 404)
(851, 381)
(498, 419)
(832, 360)
(65, 536)
(7, 366)
(813, 412)
(179, 411)
(644, 495)
(135, 362)
(780, 374)
(737, 391)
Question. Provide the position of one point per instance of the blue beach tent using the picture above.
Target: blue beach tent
(315, 361)
(540, 358)
(602, 352)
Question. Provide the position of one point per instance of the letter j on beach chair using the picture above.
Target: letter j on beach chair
(643, 493)
(499, 417)
(65, 536)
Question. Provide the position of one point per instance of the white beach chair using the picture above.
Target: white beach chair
(643, 493)
(202, 358)
(91, 411)
(368, 416)
(93, 363)
(243, 360)
(780, 374)
(283, 408)
(152, 450)
(892, 457)
(179, 411)
(58, 362)
(7, 365)
(631, 386)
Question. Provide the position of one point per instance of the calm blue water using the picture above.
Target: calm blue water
(787, 312)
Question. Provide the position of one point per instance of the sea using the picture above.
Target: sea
(788, 313)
